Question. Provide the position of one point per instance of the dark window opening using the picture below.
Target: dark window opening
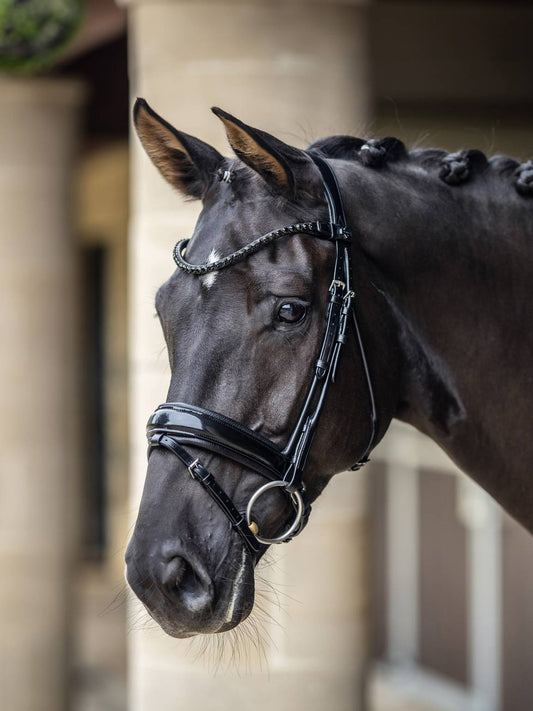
(93, 505)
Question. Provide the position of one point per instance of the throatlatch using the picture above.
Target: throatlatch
(176, 424)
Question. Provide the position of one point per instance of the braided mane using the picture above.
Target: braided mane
(452, 168)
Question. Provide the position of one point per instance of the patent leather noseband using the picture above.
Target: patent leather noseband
(175, 425)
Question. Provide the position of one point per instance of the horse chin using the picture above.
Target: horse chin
(237, 599)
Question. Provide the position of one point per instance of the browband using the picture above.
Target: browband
(329, 231)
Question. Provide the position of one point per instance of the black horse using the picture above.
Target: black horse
(442, 255)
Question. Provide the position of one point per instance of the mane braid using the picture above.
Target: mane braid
(524, 179)
(373, 153)
(454, 169)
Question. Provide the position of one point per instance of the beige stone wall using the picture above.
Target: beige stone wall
(299, 70)
(38, 362)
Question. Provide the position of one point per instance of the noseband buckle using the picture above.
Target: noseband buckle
(191, 467)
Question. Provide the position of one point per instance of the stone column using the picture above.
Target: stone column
(38, 362)
(299, 70)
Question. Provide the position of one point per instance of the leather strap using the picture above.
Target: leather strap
(332, 191)
(322, 230)
(193, 425)
(339, 305)
(208, 481)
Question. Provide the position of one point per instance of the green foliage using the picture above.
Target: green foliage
(34, 33)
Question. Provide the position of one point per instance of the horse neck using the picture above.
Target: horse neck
(455, 268)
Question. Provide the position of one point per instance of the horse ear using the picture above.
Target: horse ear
(185, 162)
(277, 162)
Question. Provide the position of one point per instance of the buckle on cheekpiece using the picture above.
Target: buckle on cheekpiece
(339, 283)
(340, 232)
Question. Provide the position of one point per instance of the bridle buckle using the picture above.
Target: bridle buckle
(191, 467)
(336, 282)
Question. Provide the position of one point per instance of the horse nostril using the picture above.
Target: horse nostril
(174, 571)
(188, 583)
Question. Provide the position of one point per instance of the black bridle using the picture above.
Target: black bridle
(175, 424)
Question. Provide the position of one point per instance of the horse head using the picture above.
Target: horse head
(248, 351)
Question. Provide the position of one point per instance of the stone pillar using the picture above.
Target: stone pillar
(102, 221)
(38, 362)
(297, 69)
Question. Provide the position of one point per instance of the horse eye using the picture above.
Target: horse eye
(291, 312)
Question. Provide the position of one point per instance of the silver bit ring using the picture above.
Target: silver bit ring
(297, 502)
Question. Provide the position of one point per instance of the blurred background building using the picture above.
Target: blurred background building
(410, 590)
